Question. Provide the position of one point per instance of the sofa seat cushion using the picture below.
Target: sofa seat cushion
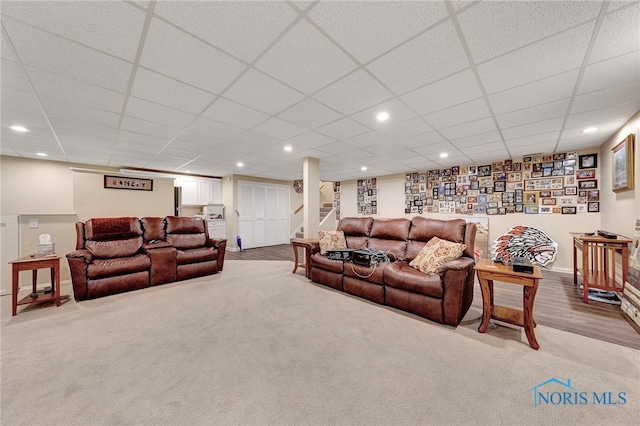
(402, 276)
(201, 254)
(323, 262)
(101, 268)
(372, 274)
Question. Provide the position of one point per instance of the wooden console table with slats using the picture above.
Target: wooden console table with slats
(598, 267)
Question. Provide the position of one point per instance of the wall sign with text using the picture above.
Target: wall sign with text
(136, 184)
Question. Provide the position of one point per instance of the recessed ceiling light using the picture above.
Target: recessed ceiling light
(187, 171)
(19, 129)
(382, 116)
(444, 155)
(363, 168)
(590, 130)
(240, 164)
(288, 148)
(41, 154)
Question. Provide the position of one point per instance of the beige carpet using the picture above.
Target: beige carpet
(259, 345)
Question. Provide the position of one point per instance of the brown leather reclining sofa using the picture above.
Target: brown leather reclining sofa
(114, 255)
(444, 297)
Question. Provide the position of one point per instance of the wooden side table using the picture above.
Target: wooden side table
(488, 272)
(301, 243)
(29, 263)
(598, 267)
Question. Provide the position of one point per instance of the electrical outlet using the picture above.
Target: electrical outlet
(33, 223)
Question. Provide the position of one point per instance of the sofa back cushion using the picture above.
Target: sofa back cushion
(423, 229)
(109, 249)
(152, 228)
(356, 230)
(112, 228)
(186, 232)
(390, 235)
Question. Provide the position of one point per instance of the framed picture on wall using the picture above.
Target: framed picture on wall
(588, 161)
(622, 167)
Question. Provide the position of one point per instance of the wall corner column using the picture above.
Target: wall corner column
(311, 185)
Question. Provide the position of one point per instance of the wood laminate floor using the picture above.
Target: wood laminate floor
(558, 302)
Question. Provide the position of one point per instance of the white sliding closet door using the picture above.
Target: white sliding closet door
(264, 214)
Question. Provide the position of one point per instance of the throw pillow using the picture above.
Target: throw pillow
(331, 240)
(435, 253)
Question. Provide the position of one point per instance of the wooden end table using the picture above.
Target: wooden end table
(33, 263)
(488, 272)
(301, 243)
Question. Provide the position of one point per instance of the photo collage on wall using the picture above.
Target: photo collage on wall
(561, 183)
(367, 196)
(336, 199)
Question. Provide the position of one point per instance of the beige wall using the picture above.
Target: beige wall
(620, 210)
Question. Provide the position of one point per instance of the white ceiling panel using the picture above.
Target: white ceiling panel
(450, 91)
(536, 93)
(192, 61)
(235, 114)
(213, 83)
(173, 94)
(402, 76)
(310, 114)
(489, 34)
(353, 93)
(386, 24)
(278, 129)
(318, 61)
(613, 72)
(45, 51)
(554, 55)
(108, 26)
(618, 34)
(263, 93)
(343, 129)
(225, 24)
(541, 147)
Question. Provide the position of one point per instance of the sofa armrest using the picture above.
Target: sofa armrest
(79, 261)
(457, 284)
(81, 254)
(312, 247)
(215, 242)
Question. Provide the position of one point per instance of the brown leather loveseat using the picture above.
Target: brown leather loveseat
(444, 297)
(115, 255)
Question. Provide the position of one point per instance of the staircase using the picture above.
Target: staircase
(324, 211)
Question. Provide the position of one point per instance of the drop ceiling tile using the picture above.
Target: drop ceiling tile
(278, 129)
(80, 113)
(542, 147)
(553, 55)
(469, 129)
(627, 93)
(478, 149)
(476, 140)
(126, 136)
(402, 75)
(41, 50)
(5, 49)
(605, 129)
(35, 122)
(216, 129)
(254, 139)
(532, 141)
(594, 117)
(581, 142)
(310, 140)
(422, 140)
(82, 127)
(397, 111)
(536, 93)
(93, 23)
(317, 63)
(192, 61)
(267, 21)
(368, 139)
(149, 111)
(355, 92)
(488, 157)
(342, 129)
(450, 91)
(406, 129)
(13, 76)
(368, 29)
(494, 28)
(20, 101)
(57, 86)
(80, 142)
(433, 151)
(532, 128)
(144, 127)
(531, 115)
(262, 93)
(173, 94)
(468, 111)
(233, 113)
(618, 34)
(612, 72)
(310, 114)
